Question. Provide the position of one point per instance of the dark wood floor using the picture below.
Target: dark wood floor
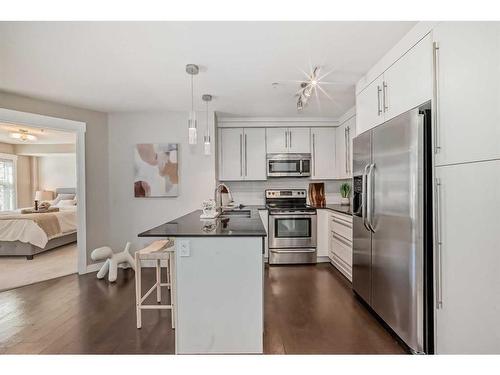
(308, 309)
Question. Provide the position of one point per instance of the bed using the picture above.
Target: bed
(28, 235)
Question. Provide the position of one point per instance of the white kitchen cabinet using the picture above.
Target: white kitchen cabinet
(343, 148)
(340, 151)
(408, 82)
(323, 153)
(322, 226)
(287, 140)
(277, 140)
(369, 111)
(404, 85)
(298, 140)
(467, 277)
(468, 95)
(231, 154)
(264, 216)
(242, 154)
(340, 242)
(255, 153)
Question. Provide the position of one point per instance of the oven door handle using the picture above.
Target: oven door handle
(293, 251)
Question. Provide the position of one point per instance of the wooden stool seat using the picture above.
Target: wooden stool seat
(158, 251)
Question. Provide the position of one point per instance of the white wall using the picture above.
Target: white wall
(128, 215)
(57, 171)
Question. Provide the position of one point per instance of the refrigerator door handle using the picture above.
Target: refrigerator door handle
(369, 200)
(439, 244)
(364, 197)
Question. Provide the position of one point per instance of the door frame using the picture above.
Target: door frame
(40, 121)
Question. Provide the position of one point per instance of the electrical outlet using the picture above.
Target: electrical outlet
(184, 248)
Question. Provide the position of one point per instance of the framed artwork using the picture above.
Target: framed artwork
(156, 170)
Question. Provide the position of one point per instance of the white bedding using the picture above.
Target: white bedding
(29, 232)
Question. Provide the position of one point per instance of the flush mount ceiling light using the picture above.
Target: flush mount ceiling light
(192, 70)
(23, 135)
(207, 98)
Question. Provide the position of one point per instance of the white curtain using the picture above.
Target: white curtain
(7, 185)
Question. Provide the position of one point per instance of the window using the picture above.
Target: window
(7, 184)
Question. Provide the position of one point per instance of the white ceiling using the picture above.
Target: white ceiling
(44, 136)
(136, 66)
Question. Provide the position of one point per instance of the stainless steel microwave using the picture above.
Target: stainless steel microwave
(288, 165)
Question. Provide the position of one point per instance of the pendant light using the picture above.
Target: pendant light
(192, 70)
(207, 98)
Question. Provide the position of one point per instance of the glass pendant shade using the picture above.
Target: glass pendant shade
(207, 146)
(193, 139)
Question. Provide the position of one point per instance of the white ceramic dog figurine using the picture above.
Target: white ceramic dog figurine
(112, 261)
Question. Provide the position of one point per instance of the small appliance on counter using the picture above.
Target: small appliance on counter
(317, 194)
(292, 227)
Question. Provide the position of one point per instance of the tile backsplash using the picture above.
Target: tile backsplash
(252, 192)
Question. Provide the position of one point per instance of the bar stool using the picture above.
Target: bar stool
(158, 251)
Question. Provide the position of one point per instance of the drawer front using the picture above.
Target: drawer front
(341, 249)
(341, 228)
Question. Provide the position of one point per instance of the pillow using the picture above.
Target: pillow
(65, 203)
(63, 197)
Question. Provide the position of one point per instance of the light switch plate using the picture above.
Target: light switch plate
(184, 248)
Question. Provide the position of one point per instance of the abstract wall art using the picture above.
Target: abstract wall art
(156, 170)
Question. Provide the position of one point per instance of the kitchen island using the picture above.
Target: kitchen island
(218, 272)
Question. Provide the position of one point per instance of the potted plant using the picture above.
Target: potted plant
(345, 192)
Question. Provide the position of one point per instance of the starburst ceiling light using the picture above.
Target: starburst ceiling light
(308, 87)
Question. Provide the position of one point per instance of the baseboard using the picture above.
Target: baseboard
(323, 259)
(94, 267)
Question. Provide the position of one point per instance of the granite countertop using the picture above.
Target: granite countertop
(337, 207)
(191, 225)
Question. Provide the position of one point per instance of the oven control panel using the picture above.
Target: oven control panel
(289, 193)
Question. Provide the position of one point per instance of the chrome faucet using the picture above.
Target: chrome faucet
(218, 196)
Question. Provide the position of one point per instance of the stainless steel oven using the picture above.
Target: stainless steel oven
(292, 227)
(288, 165)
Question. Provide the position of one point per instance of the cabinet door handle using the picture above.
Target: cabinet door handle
(345, 149)
(241, 155)
(384, 86)
(246, 158)
(314, 155)
(435, 109)
(286, 138)
(438, 246)
(349, 150)
(379, 90)
(290, 136)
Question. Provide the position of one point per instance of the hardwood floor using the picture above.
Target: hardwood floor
(308, 309)
(18, 271)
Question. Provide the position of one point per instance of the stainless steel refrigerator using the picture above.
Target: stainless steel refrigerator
(392, 225)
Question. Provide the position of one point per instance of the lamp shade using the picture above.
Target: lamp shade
(44, 195)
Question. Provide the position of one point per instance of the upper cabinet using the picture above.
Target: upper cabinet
(323, 153)
(467, 92)
(288, 140)
(369, 111)
(404, 85)
(242, 154)
(408, 82)
(343, 148)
